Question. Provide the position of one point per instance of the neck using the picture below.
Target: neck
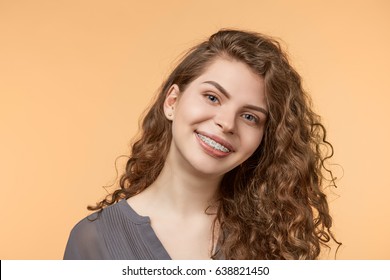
(183, 191)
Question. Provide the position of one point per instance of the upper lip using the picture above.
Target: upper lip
(217, 139)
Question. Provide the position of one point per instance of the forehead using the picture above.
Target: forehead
(235, 77)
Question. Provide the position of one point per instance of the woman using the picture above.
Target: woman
(229, 165)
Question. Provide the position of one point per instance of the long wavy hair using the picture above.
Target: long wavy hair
(273, 205)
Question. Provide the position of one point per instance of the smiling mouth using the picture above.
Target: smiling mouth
(213, 144)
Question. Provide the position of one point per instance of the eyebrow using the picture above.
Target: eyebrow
(228, 96)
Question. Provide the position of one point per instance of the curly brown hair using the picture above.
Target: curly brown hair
(273, 205)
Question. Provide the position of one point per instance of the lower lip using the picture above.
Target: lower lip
(210, 151)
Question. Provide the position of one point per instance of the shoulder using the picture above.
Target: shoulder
(85, 240)
(95, 236)
(87, 227)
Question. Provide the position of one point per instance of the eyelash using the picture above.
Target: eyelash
(213, 99)
(209, 96)
(255, 119)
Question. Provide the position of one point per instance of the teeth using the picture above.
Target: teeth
(213, 144)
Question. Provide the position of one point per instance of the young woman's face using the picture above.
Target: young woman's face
(218, 120)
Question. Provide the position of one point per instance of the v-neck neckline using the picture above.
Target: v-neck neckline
(149, 236)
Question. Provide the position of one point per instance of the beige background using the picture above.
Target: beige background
(76, 75)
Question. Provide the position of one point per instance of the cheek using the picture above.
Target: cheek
(193, 111)
(186, 119)
(253, 141)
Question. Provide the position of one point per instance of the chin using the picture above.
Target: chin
(213, 169)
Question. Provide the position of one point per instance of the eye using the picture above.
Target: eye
(212, 98)
(250, 118)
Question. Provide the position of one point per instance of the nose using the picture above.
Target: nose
(225, 121)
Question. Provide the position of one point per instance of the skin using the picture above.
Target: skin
(227, 104)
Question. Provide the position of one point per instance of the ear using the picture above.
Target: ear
(171, 100)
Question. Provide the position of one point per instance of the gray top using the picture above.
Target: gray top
(115, 233)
